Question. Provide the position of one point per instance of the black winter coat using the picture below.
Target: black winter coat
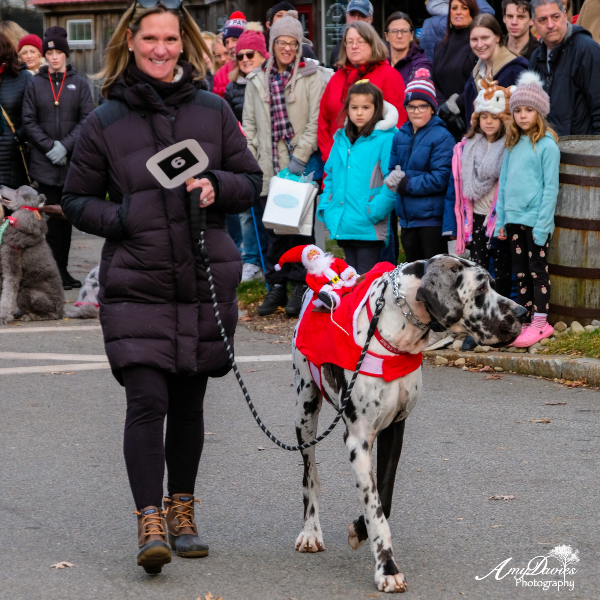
(452, 65)
(45, 122)
(155, 303)
(573, 82)
(12, 89)
(235, 93)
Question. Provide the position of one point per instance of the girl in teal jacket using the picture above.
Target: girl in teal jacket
(355, 204)
(527, 194)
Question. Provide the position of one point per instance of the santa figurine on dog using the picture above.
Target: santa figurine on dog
(329, 277)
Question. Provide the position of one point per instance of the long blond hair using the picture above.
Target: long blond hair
(116, 57)
(538, 130)
(13, 31)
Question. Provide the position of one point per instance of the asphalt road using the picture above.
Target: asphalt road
(65, 495)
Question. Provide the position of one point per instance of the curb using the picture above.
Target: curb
(552, 367)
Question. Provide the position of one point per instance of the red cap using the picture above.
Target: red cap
(30, 40)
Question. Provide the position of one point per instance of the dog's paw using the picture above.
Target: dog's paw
(391, 584)
(310, 542)
(354, 542)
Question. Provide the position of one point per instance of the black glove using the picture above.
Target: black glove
(450, 114)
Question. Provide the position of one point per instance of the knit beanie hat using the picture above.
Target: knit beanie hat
(421, 88)
(252, 40)
(235, 25)
(288, 25)
(282, 6)
(30, 40)
(55, 38)
(530, 92)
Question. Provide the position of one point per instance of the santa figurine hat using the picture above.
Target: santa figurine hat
(311, 256)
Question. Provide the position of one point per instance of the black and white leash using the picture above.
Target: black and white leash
(198, 229)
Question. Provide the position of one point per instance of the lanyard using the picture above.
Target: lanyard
(61, 87)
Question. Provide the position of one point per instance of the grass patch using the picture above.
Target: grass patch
(585, 344)
(251, 292)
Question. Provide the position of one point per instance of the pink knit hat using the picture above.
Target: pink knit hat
(30, 40)
(530, 92)
(252, 40)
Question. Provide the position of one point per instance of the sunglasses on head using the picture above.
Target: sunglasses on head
(170, 4)
(249, 55)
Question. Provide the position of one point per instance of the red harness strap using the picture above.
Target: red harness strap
(379, 337)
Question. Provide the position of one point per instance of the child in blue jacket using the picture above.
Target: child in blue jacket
(527, 194)
(420, 166)
(355, 204)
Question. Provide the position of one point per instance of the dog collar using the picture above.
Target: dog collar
(34, 210)
(400, 300)
(379, 337)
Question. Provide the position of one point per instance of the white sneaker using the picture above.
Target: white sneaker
(250, 272)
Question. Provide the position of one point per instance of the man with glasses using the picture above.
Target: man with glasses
(358, 10)
(568, 61)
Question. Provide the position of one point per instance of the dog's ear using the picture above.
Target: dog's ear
(439, 290)
(41, 200)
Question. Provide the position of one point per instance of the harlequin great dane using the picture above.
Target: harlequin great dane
(458, 295)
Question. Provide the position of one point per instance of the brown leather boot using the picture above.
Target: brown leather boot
(154, 552)
(182, 531)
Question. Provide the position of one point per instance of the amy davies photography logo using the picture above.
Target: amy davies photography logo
(541, 571)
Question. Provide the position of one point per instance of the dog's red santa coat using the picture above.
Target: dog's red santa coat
(325, 273)
(321, 341)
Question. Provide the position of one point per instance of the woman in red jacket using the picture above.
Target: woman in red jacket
(362, 56)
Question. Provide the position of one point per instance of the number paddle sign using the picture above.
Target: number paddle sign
(178, 163)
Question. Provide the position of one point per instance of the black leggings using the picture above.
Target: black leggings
(421, 243)
(59, 230)
(530, 264)
(153, 394)
(362, 258)
(499, 251)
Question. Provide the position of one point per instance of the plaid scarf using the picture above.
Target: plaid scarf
(281, 128)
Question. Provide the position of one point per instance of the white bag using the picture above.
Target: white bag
(289, 208)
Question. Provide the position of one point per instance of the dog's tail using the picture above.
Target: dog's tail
(84, 310)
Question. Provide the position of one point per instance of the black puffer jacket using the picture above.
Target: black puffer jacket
(46, 122)
(12, 88)
(573, 82)
(155, 305)
(235, 93)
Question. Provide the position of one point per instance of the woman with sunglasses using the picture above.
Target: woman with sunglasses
(161, 337)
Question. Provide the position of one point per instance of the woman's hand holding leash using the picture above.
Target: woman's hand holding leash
(207, 197)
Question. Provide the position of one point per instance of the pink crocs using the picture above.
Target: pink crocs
(531, 334)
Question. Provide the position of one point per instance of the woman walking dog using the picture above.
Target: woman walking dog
(160, 333)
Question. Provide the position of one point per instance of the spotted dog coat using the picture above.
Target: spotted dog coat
(460, 295)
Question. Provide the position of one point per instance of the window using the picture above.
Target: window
(80, 33)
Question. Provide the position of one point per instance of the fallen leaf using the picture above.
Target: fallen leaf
(62, 373)
(540, 420)
(260, 448)
(502, 498)
(580, 383)
(209, 433)
(279, 342)
(497, 376)
(372, 595)
(496, 525)
(251, 371)
(554, 403)
(245, 318)
(445, 459)
(486, 369)
(61, 565)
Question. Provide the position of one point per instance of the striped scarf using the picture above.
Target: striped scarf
(281, 128)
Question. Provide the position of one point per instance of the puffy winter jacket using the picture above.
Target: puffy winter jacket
(155, 303)
(426, 159)
(573, 82)
(506, 74)
(355, 204)
(434, 28)
(528, 187)
(234, 96)
(386, 78)
(303, 115)
(414, 60)
(12, 89)
(46, 122)
(221, 78)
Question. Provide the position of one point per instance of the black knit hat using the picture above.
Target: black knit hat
(282, 6)
(55, 38)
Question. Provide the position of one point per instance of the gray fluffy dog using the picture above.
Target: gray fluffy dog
(29, 277)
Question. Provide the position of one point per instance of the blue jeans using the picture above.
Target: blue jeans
(251, 251)
(235, 231)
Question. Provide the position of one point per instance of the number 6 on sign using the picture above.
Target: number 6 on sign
(177, 163)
